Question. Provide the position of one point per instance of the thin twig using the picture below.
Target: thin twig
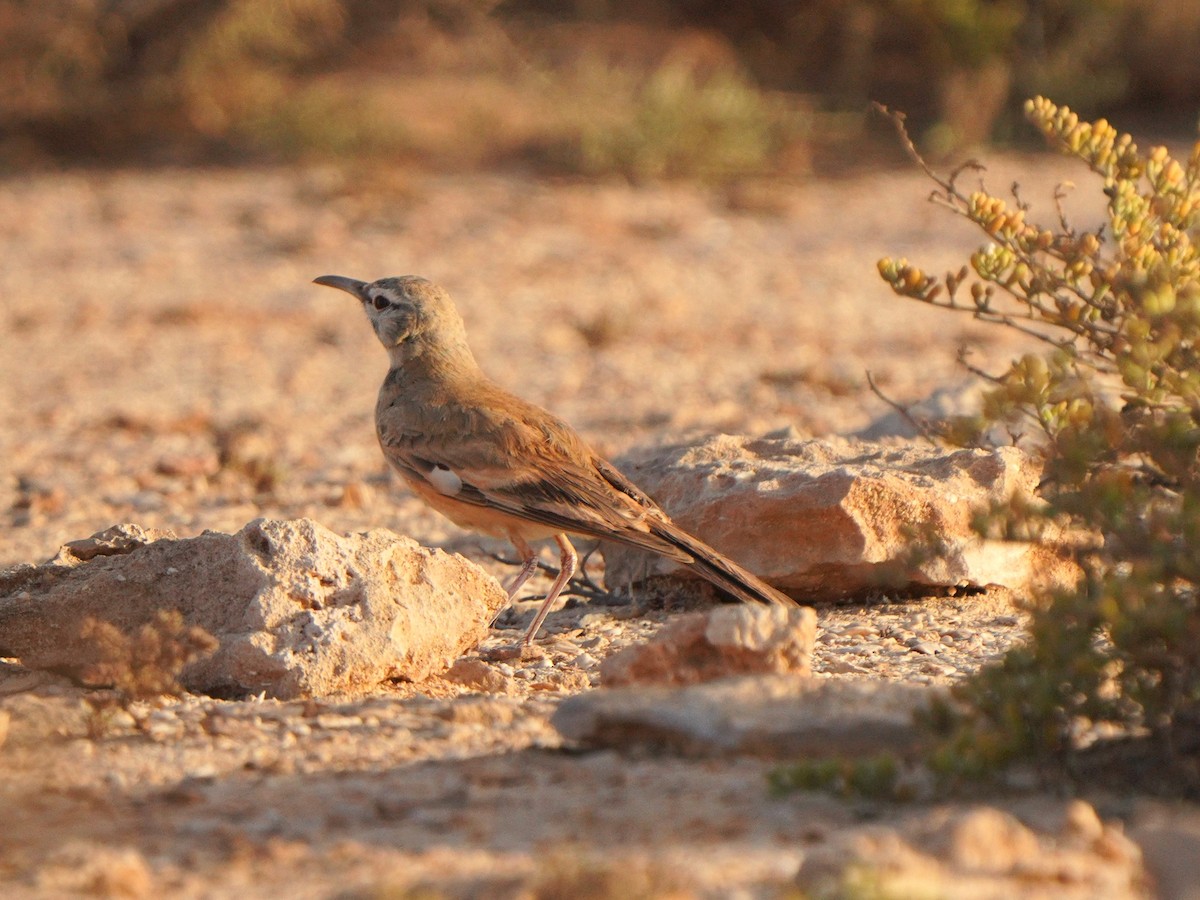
(975, 370)
(1015, 190)
(921, 428)
(948, 183)
(1060, 194)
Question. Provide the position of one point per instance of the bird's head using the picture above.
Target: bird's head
(411, 315)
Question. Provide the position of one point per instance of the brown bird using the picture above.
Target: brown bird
(493, 463)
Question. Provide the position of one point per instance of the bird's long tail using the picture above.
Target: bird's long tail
(720, 570)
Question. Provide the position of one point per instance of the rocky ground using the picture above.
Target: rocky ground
(167, 363)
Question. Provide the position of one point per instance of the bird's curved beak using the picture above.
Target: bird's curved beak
(349, 285)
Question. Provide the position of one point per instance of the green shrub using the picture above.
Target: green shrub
(1115, 403)
(875, 777)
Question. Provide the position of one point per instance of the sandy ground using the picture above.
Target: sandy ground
(166, 361)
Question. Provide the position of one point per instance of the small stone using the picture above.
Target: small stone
(147, 501)
(118, 719)
(1081, 822)
(562, 679)
(335, 722)
(188, 465)
(498, 653)
(935, 668)
(115, 541)
(1113, 844)
(861, 630)
(990, 840)
(728, 640)
(838, 666)
(122, 873)
(473, 672)
(163, 730)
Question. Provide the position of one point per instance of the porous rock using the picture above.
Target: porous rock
(298, 610)
(726, 640)
(835, 517)
(776, 716)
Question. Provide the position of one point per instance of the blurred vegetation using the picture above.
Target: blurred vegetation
(876, 777)
(646, 89)
(677, 122)
(143, 665)
(1112, 407)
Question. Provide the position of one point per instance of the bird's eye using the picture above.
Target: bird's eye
(381, 302)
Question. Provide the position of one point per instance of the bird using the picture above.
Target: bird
(496, 464)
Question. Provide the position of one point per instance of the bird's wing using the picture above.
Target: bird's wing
(512, 457)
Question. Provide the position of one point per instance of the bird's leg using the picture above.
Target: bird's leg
(529, 563)
(567, 563)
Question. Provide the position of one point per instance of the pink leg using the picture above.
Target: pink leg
(567, 563)
(529, 562)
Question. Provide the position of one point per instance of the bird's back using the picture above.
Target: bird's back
(510, 455)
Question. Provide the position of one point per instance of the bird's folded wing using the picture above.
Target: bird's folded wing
(536, 470)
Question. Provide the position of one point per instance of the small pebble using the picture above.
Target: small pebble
(843, 667)
(334, 722)
(933, 668)
(861, 630)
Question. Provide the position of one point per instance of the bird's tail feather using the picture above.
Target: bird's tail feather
(720, 570)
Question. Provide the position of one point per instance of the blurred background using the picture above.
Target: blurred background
(629, 200)
(639, 88)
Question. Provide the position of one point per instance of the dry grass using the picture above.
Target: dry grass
(143, 665)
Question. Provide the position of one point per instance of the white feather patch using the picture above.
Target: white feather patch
(444, 480)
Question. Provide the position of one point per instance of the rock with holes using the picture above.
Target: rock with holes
(298, 610)
(835, 517)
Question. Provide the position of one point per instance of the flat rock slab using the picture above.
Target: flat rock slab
(835, 517)
(775, 716)
(298, 611)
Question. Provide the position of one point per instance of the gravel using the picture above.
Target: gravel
(167, 363)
